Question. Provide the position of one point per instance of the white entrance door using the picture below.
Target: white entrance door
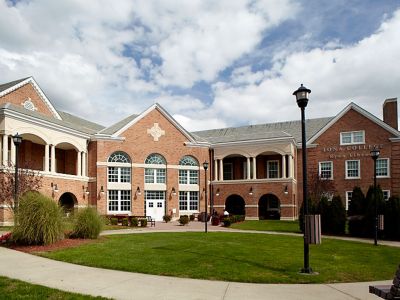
(155, 204)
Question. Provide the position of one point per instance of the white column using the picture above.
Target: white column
(53, 159)
(248, 168)
(46, 158)
(215, 169)
(254, 167)
(5, 150)
(291, 166)
(221, 170)
(12, 153)
(84, 163)
(79, 160)
(284, 166)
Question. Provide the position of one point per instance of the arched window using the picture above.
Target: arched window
(118, 186)
(155, 174)
(189, 172)
(120, 157)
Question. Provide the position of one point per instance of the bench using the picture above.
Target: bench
(388, 291)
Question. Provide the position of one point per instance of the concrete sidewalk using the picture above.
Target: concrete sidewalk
(125, 285)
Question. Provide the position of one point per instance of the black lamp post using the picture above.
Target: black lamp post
(375, 154)
(205, 166)
(302, 100)
(17, 139)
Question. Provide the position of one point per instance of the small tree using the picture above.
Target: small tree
(337, 223)
(28, 180)
(357, 204)
(369, 220)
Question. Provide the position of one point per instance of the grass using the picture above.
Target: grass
(6, 228)
(238, 257)
(16, 289)
(268, 225)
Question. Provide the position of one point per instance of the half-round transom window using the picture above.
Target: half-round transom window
(188, 161)
(155, 159)
(120, 157)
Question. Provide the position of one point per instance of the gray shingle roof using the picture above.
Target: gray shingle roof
(7, 85)
(262, 131)
(117, 126)
(72, 122)
(91, 126)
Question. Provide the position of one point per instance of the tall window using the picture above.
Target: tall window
(382, 167)
(228, 171)
(352, 137)
(119, 171)
(326, 170)
(272, 169)
(189, 201)
(188, 176)
(155, 175)
(352, 169)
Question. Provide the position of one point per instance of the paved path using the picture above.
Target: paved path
(127, 285)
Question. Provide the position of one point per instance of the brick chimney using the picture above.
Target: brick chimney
(390, 112)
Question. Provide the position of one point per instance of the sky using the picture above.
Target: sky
(210, 64)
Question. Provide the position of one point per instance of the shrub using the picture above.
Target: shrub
(183, 220)
(88, 224)
(192, 217)
(143, 222)
(227, 221)
(392, 220)
(369, 225)
(337, 215)
(125, 222)
(356, 213)
(114, 221)
(167, 218)
(106, 220)
(323, 210)
(134, 222)
(39, 220)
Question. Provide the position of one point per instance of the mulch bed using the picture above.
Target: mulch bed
(65, 243)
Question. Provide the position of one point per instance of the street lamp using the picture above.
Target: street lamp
(302, 100)
(17, 139)
(205, 166)
(375, 154)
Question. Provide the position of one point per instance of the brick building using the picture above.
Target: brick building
(148, 164)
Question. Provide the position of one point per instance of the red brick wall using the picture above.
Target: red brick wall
(19, 96)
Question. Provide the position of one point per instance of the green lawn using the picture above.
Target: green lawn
(16, 289)
(6, 228)
(269, 225)
(236, 257)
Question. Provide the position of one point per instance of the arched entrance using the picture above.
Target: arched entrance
(269, 207)
(235, 205)
(67, 202)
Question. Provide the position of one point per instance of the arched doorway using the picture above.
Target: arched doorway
(67, 202)
(269, 207)
(235, 205)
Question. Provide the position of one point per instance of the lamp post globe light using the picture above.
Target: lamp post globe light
(375, 154)
(17, 139)
(302, 100)
(205, 166)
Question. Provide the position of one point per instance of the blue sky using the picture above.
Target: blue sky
(210, 63)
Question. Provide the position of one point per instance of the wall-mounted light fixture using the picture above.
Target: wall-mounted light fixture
(138, 192)
(102, 192)
(54, 187)
(217, 193)
(251, 191)
(286, 190)
(173, 192)
(85, 190)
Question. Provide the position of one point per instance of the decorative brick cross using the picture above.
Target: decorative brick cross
(156, 132)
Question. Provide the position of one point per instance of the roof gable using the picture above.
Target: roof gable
(361, 111)
(7, 88)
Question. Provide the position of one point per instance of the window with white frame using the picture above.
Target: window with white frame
(349, 195)
(228, 171)
(119, 201)
(352, 169)
(326, 170)
(273, 169)
(119, 167)
(382, 167)
(188, 176)
(155, 175)
(386, 195)
(352, 137)
(188, 201)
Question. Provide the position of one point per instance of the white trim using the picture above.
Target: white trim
(359, 169)
(347, 199)
(388, 168)
(38, 90)
(253, 142)
(250, 205)
(360, 110)
(352, 138)
(288, 205)
(258, 180)
(388, 192)
(319, 169)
